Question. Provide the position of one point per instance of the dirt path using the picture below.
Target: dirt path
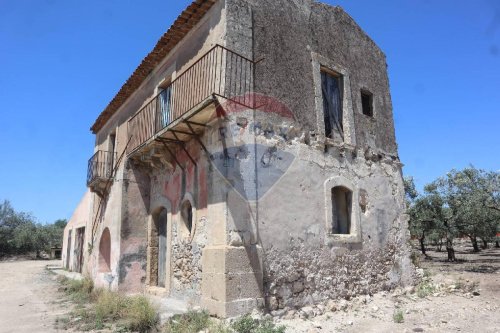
(28, 297)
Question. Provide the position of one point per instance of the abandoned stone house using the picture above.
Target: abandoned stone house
(249, 161)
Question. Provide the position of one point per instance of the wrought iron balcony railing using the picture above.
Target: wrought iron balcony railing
(100, 166)
(219, 73)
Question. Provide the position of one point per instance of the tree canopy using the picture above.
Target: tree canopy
(21, 234)
(463, 203)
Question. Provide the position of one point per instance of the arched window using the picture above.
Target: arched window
(187, 215)
(105, 252)
(341, 210)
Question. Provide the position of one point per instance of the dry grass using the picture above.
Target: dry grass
(192, 321)
(98, 309)
(195, 321)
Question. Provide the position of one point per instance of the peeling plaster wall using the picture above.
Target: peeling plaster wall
(79, 219)
(109, 217)
(133, 232)
(170, 186)
(183, 248)
(127, 210)
(303, 264)
(290, 224)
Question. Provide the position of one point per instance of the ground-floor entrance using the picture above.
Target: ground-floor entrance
(162, 248)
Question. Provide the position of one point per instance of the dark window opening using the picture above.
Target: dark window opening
(341, 210)
(187, 215)
(112, 142)
(367, 103)
(111, 154)
(331, 87)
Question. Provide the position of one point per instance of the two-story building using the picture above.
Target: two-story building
(250, 160)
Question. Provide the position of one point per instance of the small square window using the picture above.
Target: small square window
(367, 103)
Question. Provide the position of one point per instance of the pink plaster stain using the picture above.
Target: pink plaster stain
(189, 178)
(135, 274)
(173, 189)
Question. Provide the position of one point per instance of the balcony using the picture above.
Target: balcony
(100, 171)
(183, 109)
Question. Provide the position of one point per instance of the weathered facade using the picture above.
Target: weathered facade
(250, 161)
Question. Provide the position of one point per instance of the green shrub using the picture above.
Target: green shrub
(267, 326)
(425, 289)
(140, 314)
(219, 327)
(193, 321)
(109, 305)
(78, 290)
(135, 313)
(398, 316)
(245, 324)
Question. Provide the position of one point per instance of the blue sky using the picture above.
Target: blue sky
(61, 62)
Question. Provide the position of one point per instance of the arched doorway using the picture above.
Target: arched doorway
(160, 224)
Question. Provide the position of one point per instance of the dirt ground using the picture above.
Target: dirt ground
(28, 295)
(459, 297)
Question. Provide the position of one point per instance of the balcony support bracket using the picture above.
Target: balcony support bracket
(183, 146)
(197, 138)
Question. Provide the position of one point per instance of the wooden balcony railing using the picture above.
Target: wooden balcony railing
(100, 166)
(220, 72)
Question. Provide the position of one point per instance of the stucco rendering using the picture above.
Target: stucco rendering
(249, 162)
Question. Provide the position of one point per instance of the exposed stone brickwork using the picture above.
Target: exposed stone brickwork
(186, 267)
(305, 276)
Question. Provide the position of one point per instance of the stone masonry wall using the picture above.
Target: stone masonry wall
(303, 263)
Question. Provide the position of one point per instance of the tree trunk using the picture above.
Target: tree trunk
(485, 245)
(473, 239)
(497, 244)
(422, 245)
(450, 250)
